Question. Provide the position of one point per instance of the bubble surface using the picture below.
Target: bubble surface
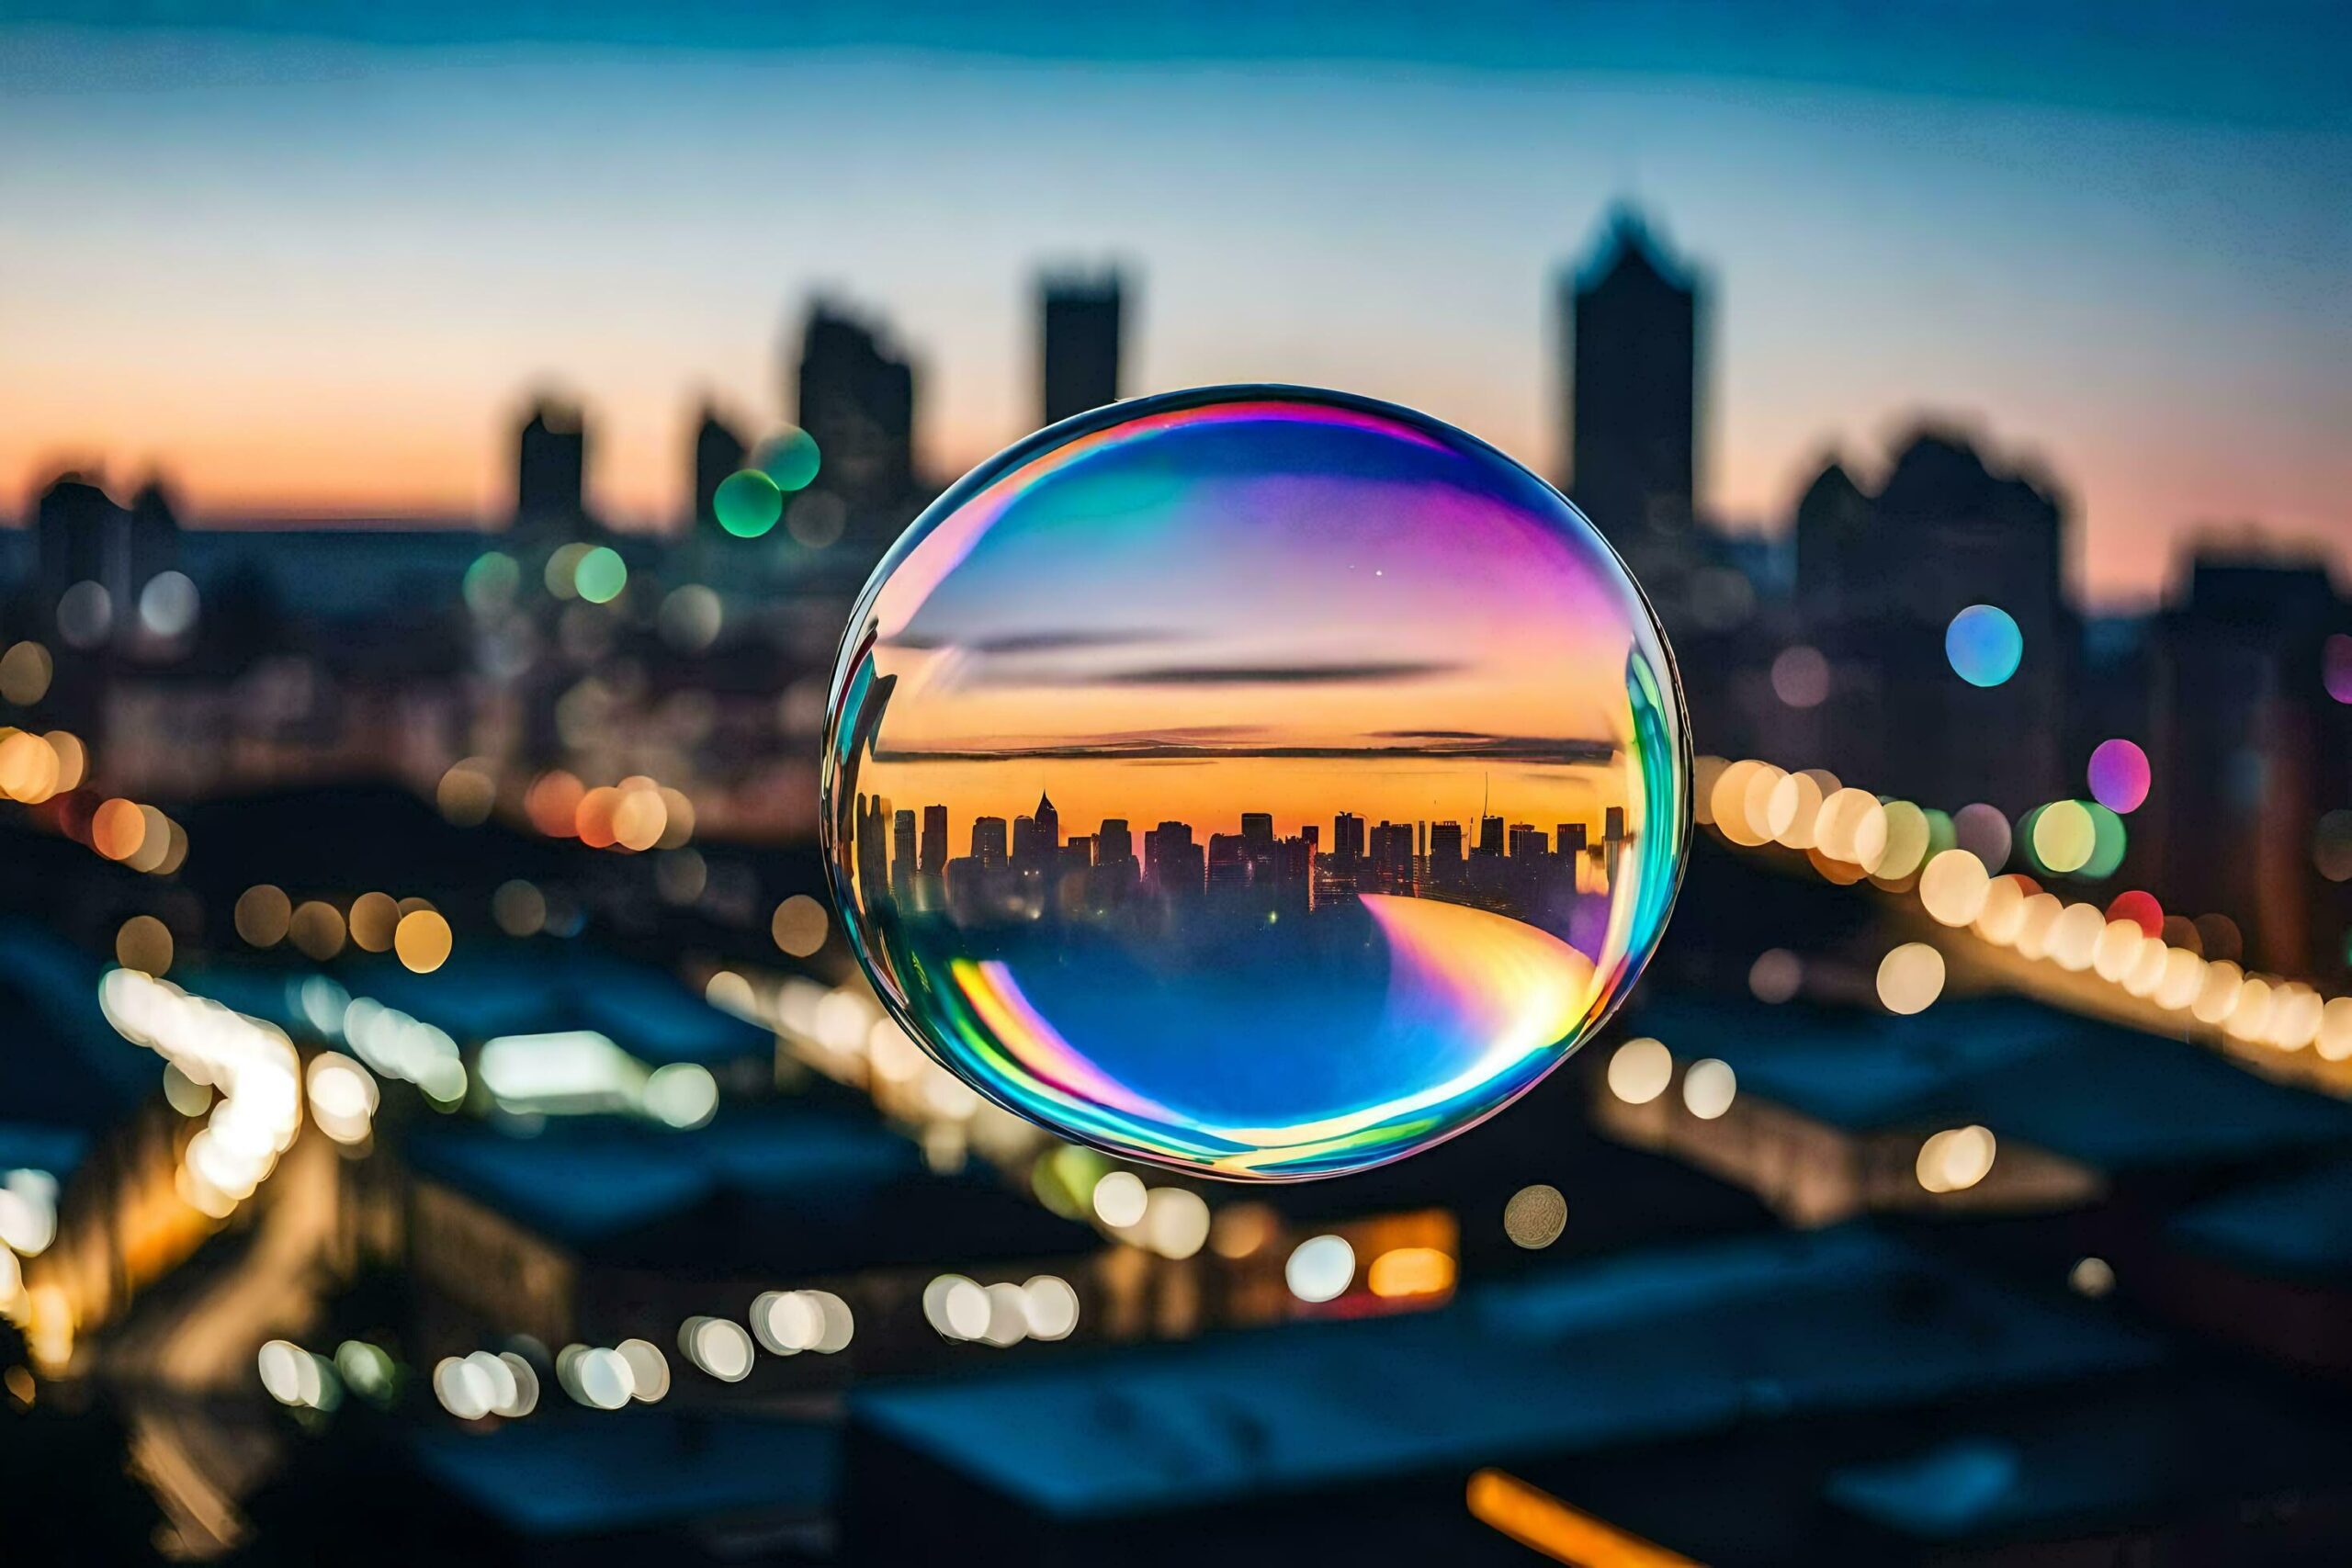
(1256, 781)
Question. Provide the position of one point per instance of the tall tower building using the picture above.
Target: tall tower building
(78, 527)
(154, 536)
(1081, 322)
(1631, 319)
(719, 452)
(933, 854)
(551, 467)
(854, 394)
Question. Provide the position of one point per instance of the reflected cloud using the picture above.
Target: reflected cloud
(1123, 747)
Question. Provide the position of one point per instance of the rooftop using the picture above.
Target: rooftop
(826, 1190)
(2298, 1227)
(630, 1471)
(1626, 1351)
(2107, 1097)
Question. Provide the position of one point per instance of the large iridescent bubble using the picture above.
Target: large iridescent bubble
(1263, 782)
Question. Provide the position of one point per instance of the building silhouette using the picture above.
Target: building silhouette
(551, 467)
(1080, 327)
(77, 526)
(1881, 575)
(1631, 316)
(854, 394)
(2248, 749)
(933, 855)
(719, 452)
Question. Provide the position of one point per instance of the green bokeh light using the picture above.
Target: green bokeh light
(790, 460)
(2109, 840)
(491, 583)
(601, 575)
(748, 504)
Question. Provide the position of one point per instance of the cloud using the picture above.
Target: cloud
(1015, 644)
(1276, 674)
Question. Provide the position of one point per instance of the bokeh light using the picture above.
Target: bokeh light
(1776, 977)
(1801, 677)
(421, 941)
(600, 576)
(1320, 1268)
(1956, 1159)
(791, 460)
(1430, 819)
(1953, 887)
(1910, 978)
(2064, 834)
(748, 504)
(1536, 1216)
(2336, 666)
(143, 943)
(1984, 645)
(1983, 832)
(800, 925)
(1640, 1070)
(2139, 908)
(25, 672)
(2120, 775)
(1709, 1088)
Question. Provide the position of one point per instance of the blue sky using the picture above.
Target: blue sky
(312, 257)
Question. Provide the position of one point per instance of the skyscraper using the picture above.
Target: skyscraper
(1037, 837)
(1114, 843)
(933, 854)
(551, 467)
(902, 851)
(1173, 863)
(988, 841)
(854, 394)
(154, 539)
(1631, 318)
(76, 523)
(719, 452)
(1079, 325)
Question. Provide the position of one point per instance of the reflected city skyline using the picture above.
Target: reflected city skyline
(1023, 866)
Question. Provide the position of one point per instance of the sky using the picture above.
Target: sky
(314, 259)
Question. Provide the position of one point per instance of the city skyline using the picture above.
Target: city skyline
(926, 832)
(309, 375)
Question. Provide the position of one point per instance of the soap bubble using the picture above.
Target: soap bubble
(1262, 781)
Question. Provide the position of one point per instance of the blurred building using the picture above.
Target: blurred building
(2250, 750)
(96, 563)
(551, 467)
(1880, 576)
(854, 394)
(1631, 315)
(1081, 322)
(719, 452)
(78, 528)
(1718, 1403)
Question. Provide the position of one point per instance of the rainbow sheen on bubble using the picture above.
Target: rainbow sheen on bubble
(1256, 781)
